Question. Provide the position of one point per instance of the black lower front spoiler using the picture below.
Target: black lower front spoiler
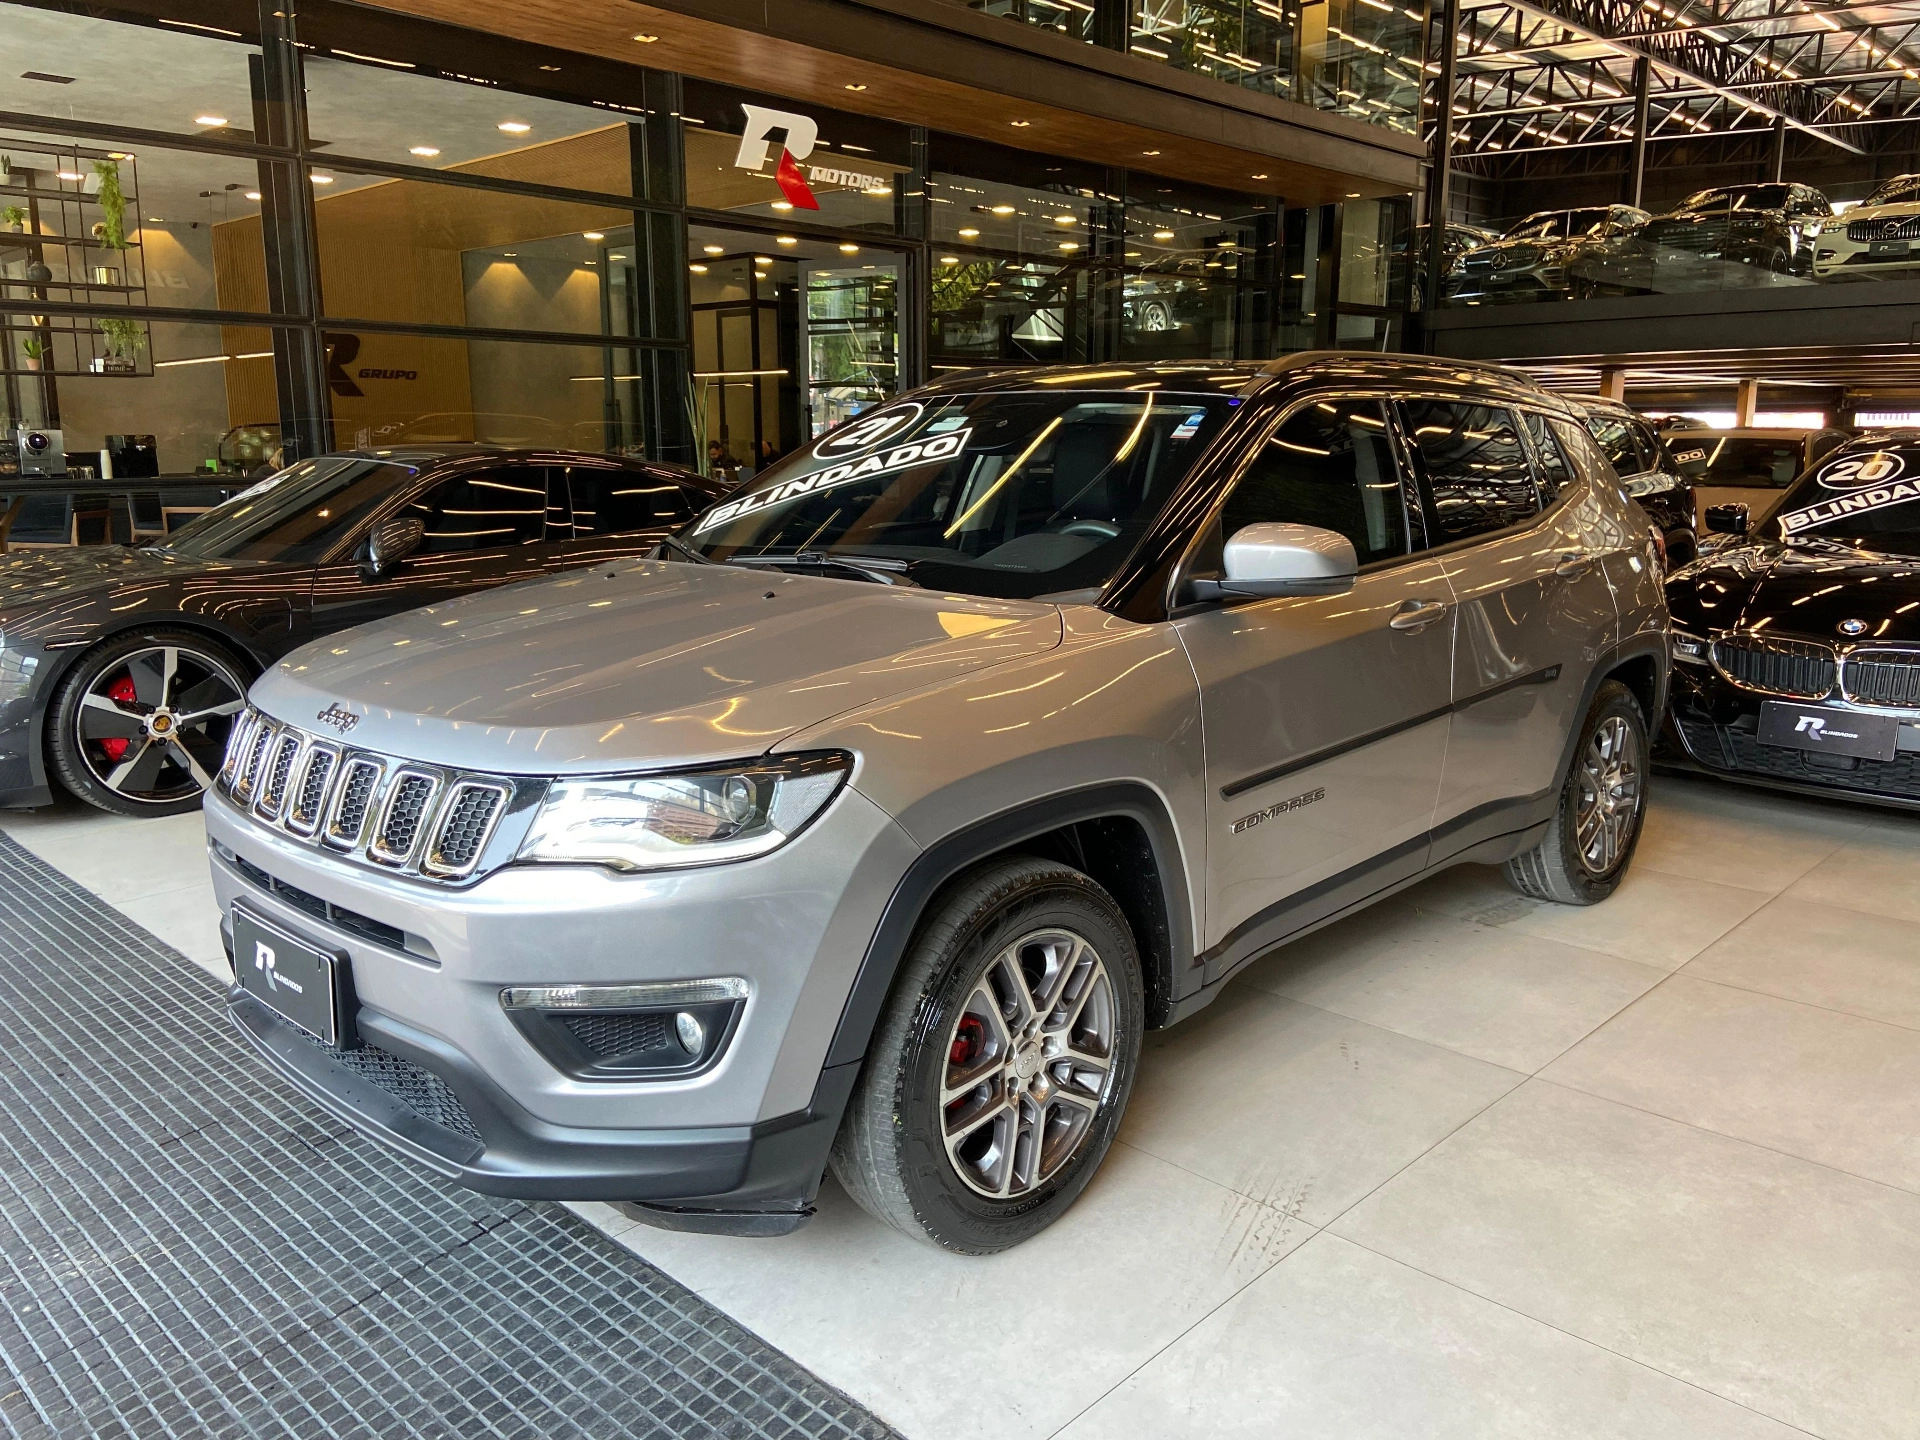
(758, 1179)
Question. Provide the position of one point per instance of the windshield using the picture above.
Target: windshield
(294, 516)
(1753, 463)
(1901, 187)
(1739, 197)
(1558, 224)
(1868, 498)
(1010, 494)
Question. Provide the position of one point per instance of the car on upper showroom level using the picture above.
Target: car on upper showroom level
(121, 669)
(1879, 236)
(1748, 465)
(1647, 469)
(1539, 258)
(876, 820)
(1796, 646)
(1766, 229)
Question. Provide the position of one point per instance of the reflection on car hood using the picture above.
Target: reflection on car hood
(641, 665)
(34, 583)
(1801, 590)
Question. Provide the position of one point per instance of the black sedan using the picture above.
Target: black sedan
(1797, 643)
(120, 669)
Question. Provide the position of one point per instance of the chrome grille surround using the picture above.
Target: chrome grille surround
(239, 742)
(312, 785)
(1776, 665)
(400, 816)
(1882, 677)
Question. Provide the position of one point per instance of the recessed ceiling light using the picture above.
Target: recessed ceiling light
(253, 194)
(763, 259)
(1353, 194)
(511, 254)
(515, 127)
(1296, 277)
(1003, 209)
(968, 233)
(714, 249)
(849, 249)
(949, 259)
(856, 87)
(1063, 219)
(209, 119)
(646, 39)
(69, 174)
(322, 179)
(785, 240)
(425, 152)
(1068, 245)
(1019, 124)
(156, 219)
(1163, 234)
(616, 257)
(698, 269)
(591, 235)
(783, 205)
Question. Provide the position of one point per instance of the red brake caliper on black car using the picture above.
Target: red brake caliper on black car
(121, 692)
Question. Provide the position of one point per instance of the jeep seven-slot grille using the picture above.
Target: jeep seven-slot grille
(1882, 677)
(418, 819)
(1903, 228)
(1776, 666)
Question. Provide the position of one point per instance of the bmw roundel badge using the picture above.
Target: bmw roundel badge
(1852, 627)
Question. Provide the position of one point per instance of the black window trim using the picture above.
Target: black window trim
(1513, 407)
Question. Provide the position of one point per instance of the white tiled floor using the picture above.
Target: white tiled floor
(1465, 1165)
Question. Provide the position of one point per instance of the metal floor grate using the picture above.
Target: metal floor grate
(186, 1248)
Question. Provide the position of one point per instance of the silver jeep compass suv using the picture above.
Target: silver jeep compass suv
(874, 822)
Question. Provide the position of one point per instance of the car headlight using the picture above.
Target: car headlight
(1691, 649)
(699, 817)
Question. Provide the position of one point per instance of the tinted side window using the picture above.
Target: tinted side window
(1616, 443)
(619, 502)
(1552, 465)
(484, 510)
(1589, 462)
(1655, 458)
(1476, 465)
(1329, 465)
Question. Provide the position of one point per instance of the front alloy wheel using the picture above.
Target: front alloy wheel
(998, 1073)
(141, 724)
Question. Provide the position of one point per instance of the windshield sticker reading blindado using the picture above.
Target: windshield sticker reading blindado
(900, 457)
(1855, 499)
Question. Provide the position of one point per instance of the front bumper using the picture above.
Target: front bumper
(450, 1082)
(1714, 726)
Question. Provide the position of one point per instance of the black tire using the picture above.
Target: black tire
(892, 1153)
(1682, 549)
(114, 758)
(1567, 866)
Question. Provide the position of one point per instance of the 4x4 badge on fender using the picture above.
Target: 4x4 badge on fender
(341, 719)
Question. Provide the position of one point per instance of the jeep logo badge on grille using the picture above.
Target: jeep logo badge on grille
(340, 719)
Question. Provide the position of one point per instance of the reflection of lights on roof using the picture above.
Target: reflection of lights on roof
(209, 119)
(968, 233)
(1068, 245)
(949, 259)
(1149, 152)
(1019, 124)
(763, 259)
(425, 152)
(1260, 176)
(1163, 234)
(856, 87)
(1003, 209)
(646, 39)
(1063, 220)
(320, 179)
(783, 204)
(698, 269)
(714, 249)
(591, 235)
(515, 127)
(849, 249)
(878, 190)
(785, 240)
(253, 194)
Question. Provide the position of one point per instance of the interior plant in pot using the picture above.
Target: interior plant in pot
(125, 340)
(14, 217)
(35, 349)
(112, 229)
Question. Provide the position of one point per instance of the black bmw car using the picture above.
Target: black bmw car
(1797, 644)
(120, 669)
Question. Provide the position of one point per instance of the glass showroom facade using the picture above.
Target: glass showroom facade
(254, 235)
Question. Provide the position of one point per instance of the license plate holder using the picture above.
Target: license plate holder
(304, 983)
(1829, 730)
(1889, 247)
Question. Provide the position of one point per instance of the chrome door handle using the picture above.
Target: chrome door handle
(1417, 614)
(1572, 566)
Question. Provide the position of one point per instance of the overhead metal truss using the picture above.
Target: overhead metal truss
(1552, 75)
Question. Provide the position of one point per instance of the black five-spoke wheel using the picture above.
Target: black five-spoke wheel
(141, 723)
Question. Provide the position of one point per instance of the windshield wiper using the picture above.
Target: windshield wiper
(880, 570)
(669, 542)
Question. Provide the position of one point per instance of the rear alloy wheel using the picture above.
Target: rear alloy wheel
(140, 726)
(998, 1073)
(1597, 824)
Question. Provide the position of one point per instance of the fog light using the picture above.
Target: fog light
(693, 1035)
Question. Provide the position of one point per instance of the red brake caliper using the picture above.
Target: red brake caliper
(967, 1041)
(121, 692)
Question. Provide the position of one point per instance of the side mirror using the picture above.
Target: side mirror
(392, 541)
(1728, 519)
(1280, 558)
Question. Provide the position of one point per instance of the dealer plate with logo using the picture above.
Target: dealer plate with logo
(296, 979)
(1828, 730)
(1888, 247)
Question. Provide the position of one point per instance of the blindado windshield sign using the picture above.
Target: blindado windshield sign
(1861, 483)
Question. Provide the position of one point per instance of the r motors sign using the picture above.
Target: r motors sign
(798, 135)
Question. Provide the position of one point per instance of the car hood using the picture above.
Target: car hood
(1801, 590)
(1893, 210)
(640, 665)
(33, 580)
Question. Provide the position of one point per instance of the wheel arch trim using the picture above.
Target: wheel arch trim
(996, 834)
